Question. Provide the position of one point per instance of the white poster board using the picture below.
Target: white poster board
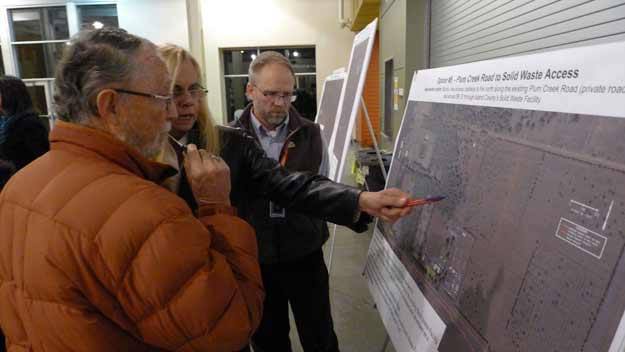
(328, 109)
(350, 96)
(527, 253)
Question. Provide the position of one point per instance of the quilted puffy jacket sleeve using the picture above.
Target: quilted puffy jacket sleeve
(182, 284)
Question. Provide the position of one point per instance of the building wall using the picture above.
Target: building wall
(472, 31)
(161, 21)
(392, 46)
(196, 30)
(241, 23)
(417, 40)
(403, 39)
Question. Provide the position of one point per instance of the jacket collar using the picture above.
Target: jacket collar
(89, 141)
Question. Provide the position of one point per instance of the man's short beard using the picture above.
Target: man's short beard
(275, 120)
(150, 151)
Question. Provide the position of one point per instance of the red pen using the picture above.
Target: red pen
(423, 201)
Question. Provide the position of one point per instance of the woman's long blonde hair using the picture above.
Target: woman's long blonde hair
(174, 56)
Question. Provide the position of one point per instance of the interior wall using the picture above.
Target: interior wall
(393, 46)
(161, 21)
(403, 37)
(242, 23)
(196, 30)
(417, 41)
(417, 50)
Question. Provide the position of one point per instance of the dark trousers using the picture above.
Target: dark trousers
(303, 284)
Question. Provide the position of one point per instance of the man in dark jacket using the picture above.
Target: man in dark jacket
(290, 243)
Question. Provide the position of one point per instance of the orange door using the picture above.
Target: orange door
(371, 94)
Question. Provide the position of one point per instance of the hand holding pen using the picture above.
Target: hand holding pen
(423, 201)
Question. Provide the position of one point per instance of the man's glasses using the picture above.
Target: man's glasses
(167, 99)
(284, 96)
(196, 92)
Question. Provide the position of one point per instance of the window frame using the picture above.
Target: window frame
(78, 4)
(8, 46)
(2, 68)
(13, 44)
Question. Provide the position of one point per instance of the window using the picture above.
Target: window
(34, 24)
(97, 16)
(306, 103)
(302, 59)
(237, 63)
(38, 95)
(38, 60)
(38, 36)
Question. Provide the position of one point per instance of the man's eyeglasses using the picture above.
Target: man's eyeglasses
(284, 96)
(168, 99)
(196, 92)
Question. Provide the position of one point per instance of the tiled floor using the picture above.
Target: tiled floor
(356, 322)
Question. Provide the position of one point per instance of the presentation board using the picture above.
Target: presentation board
(328, 109)
(349, 102)
(526, 253)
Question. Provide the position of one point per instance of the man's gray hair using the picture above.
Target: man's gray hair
(94, 60)
(265, 58)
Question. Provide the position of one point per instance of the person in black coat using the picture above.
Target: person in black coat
(23, 135)
(6, 171)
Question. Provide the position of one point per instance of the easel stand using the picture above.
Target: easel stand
(381, 162)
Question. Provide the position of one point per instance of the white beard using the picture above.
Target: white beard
(166, 127)
(150, 151)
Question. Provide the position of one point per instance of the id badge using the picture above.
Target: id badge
(276, 211)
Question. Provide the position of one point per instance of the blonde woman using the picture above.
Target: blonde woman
(252, 173)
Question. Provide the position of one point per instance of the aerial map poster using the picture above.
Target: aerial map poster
(328, 108)
(527, 252)
(350, 96)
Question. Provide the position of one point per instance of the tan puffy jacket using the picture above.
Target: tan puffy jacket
(95, 256)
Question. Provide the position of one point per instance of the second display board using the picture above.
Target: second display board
(351, 93)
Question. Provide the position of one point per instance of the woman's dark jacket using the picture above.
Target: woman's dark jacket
(6, 171)
(23, 138)
(254, 175)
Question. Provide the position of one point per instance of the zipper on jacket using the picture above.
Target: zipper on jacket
(284, 153)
